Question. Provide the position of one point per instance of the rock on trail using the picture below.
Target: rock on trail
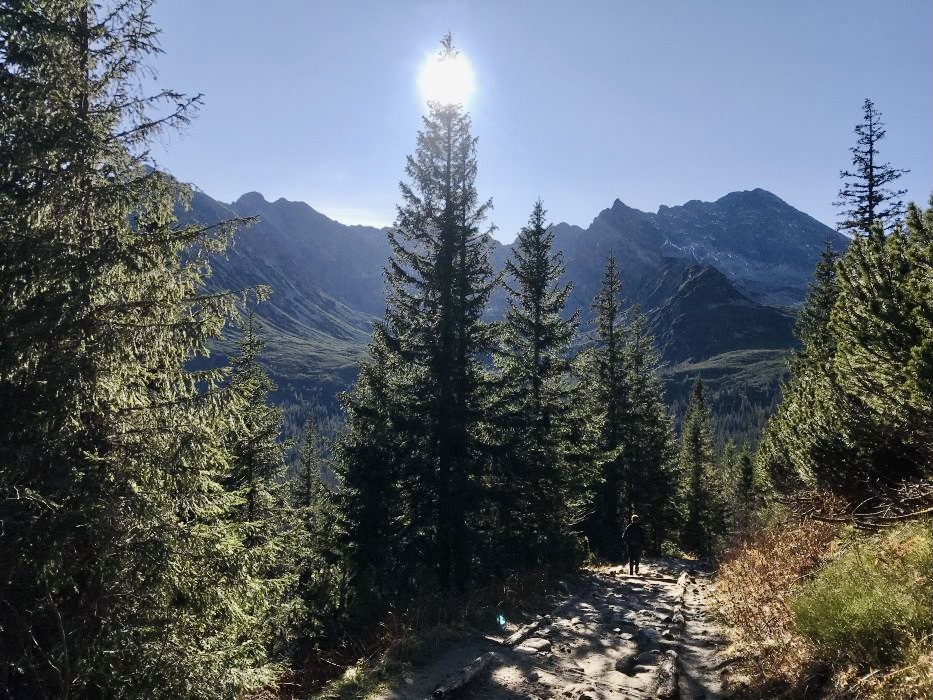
(618, 636)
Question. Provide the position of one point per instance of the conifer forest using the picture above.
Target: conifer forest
(172, 525)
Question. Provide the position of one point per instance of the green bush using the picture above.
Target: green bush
(874, 600)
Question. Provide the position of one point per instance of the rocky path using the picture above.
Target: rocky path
(619, 636)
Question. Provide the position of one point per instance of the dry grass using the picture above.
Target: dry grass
(815, 608)
(755, 588)
(912, 680)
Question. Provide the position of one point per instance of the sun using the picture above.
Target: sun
(446, 79)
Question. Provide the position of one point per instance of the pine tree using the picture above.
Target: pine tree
(370, 455)
(609, 399)
(534, 359)
(882, 324)
(804, 441)
(812, 327)
(320, 565)
(650, 475)
(258, 454)
(918, 362)
(439, 279)
(121, 568)
(261, 512)
(633, 469)
(865, 195)
(750, 490)
(855, 415)
(697, 465)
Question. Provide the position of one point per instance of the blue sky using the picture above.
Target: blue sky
(580, 103)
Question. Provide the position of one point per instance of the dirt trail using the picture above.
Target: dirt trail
(618, 636)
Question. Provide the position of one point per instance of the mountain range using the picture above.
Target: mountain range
(715, 279)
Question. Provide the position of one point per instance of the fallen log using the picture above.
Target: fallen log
(666, 678)
(465, 675)
(523, 633)
(667, 687)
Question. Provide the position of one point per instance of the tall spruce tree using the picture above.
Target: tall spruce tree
(866, 196)
(267, 526)
(608, 394)
(121, 567)
(534, 358)
(651, 486)
(372, 501)
(431, 341)
(258, 453)
(855, 412)
(320, 560)
(698, 471)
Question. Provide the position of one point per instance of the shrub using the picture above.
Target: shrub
(871, 603)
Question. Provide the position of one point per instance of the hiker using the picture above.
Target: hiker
(634, 539)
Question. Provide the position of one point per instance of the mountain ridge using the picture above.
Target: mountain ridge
(764, 245)
(700, 271)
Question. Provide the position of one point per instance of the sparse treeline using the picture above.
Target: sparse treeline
(150, 544)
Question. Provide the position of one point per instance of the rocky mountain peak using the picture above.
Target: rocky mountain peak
(251, 199)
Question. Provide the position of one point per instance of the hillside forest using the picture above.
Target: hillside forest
(163, 534)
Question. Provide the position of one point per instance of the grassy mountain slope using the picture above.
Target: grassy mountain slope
(743, 387)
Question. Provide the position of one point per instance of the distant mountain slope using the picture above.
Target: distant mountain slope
(708, 316)
(326, 282)
(743, 388)
(293, 243)
(701, 272)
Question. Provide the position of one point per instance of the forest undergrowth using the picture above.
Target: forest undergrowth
(818, 608)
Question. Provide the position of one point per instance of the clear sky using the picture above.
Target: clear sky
(579, 102)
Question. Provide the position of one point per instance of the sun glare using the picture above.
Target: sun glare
(446, 79)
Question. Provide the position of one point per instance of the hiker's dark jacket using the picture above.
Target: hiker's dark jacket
(634, 535)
